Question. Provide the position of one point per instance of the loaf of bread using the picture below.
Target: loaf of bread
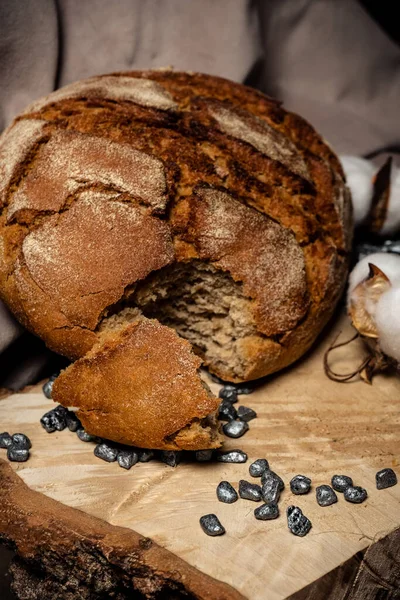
(140, 210)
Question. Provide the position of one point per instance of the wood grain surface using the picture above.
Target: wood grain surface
(306, 424)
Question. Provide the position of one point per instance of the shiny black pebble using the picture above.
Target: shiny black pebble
(355, 494)
(232, 456)
(146, 455)
(298, 523)
(300, 484)
(204, 455)
(341, 482)
(385, 478)
(258, 467)
(211, 525)
(226, 493)
(246, 414)
(226, 411)
(268, 475)
(325, 495)
(55, 419)
(235, 429)
(72, 421)
(48, 388)
(21, 441)
(271, 490)
(229, 393)
(266, 512)
(15, 454)
(5, 440)
(127, 458)
(171, 457)
(249, 491)
(106, 452)
(85, 437)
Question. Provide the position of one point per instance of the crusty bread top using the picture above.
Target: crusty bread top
(109, 179)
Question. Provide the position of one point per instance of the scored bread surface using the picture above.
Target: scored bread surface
(114, 188)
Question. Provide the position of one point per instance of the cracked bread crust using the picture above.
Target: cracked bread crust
(190, 167)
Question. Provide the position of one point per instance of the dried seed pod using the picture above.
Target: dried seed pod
(355, 494)
(325, 495)
(245, 413)
(266, 512)
(385, 478)
(300, 484)
(226, 492)
(232, 456)
(235, 429)
(298, 523)
(341, 482)
(211, 525)
(249, 491)
(258, 467)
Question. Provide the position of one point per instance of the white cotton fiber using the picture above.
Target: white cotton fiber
(392, 221)
(359, 174)
(387, 319)
(388, 263)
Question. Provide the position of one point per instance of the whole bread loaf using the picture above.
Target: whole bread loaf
(140, 203)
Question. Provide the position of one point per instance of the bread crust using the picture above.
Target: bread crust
(177, 167)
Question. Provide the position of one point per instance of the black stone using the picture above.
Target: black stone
(268, 475)
(258, 467)
(229, 393)
(127, 458)
(226, 493)
(385, 478)
(325, 495)
(171, 457)
(204, 455)
(211, 525)
(5, 440)
(355, 494)
(232, 456)
(249, 491)
(271, 491)
(341, 482)
(86, 437)
(15, 454)
(246, 414)
(54, 420)
(244, 389)
(266, 512)
(235, 429)
(72, 421)
(106, 452)
(298, 523)
(300, 484)
(21, 441)
(226, 411)
(146, 455)
(48, 388)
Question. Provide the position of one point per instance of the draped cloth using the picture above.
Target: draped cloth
(326, 59)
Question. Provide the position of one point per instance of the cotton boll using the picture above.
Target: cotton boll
(387, 319)
(359, 175)
(392, 222)
(386, 262)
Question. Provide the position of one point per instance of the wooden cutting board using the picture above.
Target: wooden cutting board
(306, 424)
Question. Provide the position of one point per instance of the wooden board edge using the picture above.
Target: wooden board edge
(73, 548)
(371, 573)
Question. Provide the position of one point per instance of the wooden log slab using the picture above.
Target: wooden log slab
(78, 523)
